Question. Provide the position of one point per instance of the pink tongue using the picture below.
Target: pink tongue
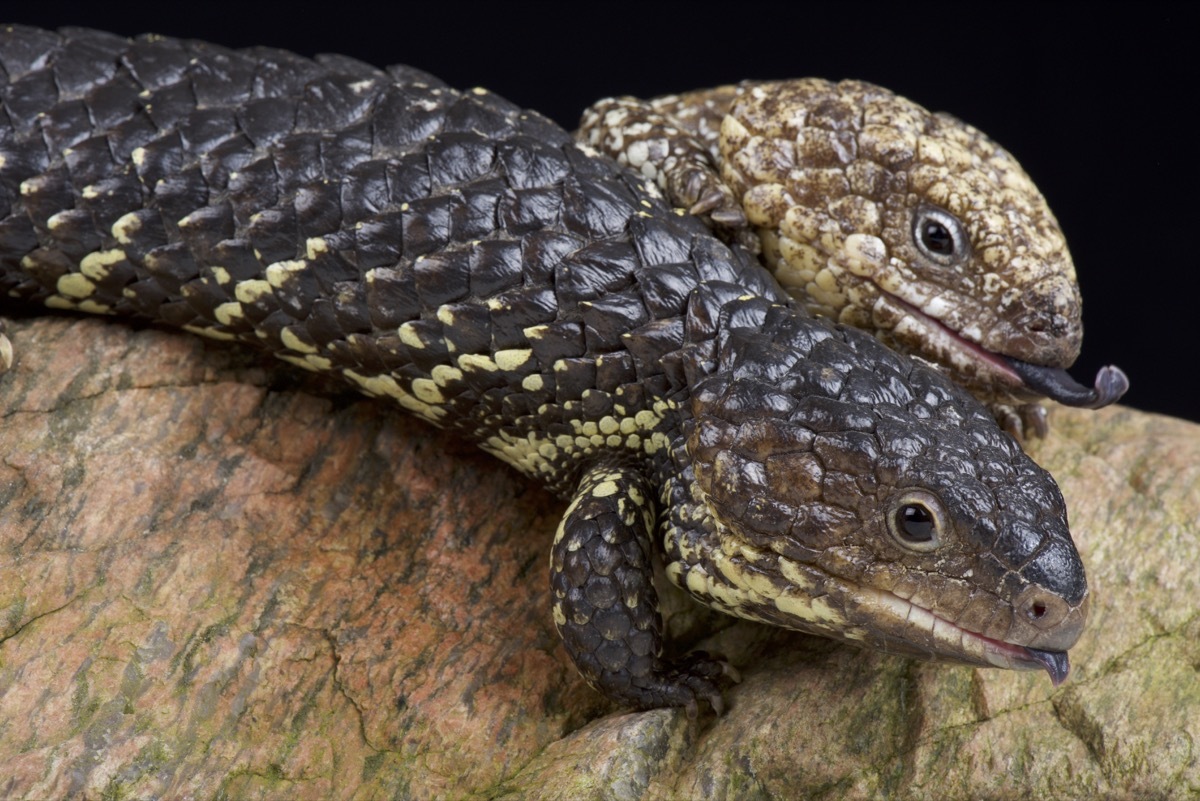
(1055, 662)
(1054, 383)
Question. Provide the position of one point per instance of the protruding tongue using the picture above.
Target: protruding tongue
(1054, 383)
(1055, 663)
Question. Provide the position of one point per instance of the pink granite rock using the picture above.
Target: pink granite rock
(220, 579)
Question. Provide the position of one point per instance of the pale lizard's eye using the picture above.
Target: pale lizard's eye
(939, 235)
(917, 520)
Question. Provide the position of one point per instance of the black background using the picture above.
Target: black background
(1099, 106)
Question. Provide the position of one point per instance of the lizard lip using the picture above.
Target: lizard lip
(1052, 382)
(944, 339)
(952, 641)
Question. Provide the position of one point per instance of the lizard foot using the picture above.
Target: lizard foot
(686, 682)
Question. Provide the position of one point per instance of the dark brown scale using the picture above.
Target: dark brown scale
(461, 256)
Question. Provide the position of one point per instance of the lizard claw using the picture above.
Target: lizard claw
(6, 351)
(711, 199)
(729, 218)
(1023, 422)
(695, 678)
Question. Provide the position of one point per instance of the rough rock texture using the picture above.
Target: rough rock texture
(220, 580)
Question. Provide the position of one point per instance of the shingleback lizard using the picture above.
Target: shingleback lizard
(462, 257)
(881, 215)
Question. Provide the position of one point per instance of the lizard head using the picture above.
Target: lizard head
(843, 490)
(912, 225)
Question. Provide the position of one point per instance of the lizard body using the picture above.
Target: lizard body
(458, 256)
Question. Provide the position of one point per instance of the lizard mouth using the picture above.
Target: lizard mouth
(948, 640)
(806, 597)
(1052, 382)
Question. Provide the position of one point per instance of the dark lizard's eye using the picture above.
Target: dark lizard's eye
(917, 520)
(915, 523)
(936, 238)
(939, 235)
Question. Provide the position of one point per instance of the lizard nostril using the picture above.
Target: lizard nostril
(1042, 609)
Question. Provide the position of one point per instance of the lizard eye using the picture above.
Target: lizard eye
(916, 521)
(939, 235)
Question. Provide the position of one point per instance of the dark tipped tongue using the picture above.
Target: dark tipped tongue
(1055, 663)
(1054, 383)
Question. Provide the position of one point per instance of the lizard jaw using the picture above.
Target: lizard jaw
(964, 645)
(970, 358)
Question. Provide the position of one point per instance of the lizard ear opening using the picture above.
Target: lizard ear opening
(916, 520)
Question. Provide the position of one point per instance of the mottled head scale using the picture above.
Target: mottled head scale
(907, 223)
(875, 500)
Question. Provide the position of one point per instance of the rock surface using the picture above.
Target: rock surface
(220, 580)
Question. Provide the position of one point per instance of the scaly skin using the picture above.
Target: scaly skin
(458, 256)
(834, 182)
